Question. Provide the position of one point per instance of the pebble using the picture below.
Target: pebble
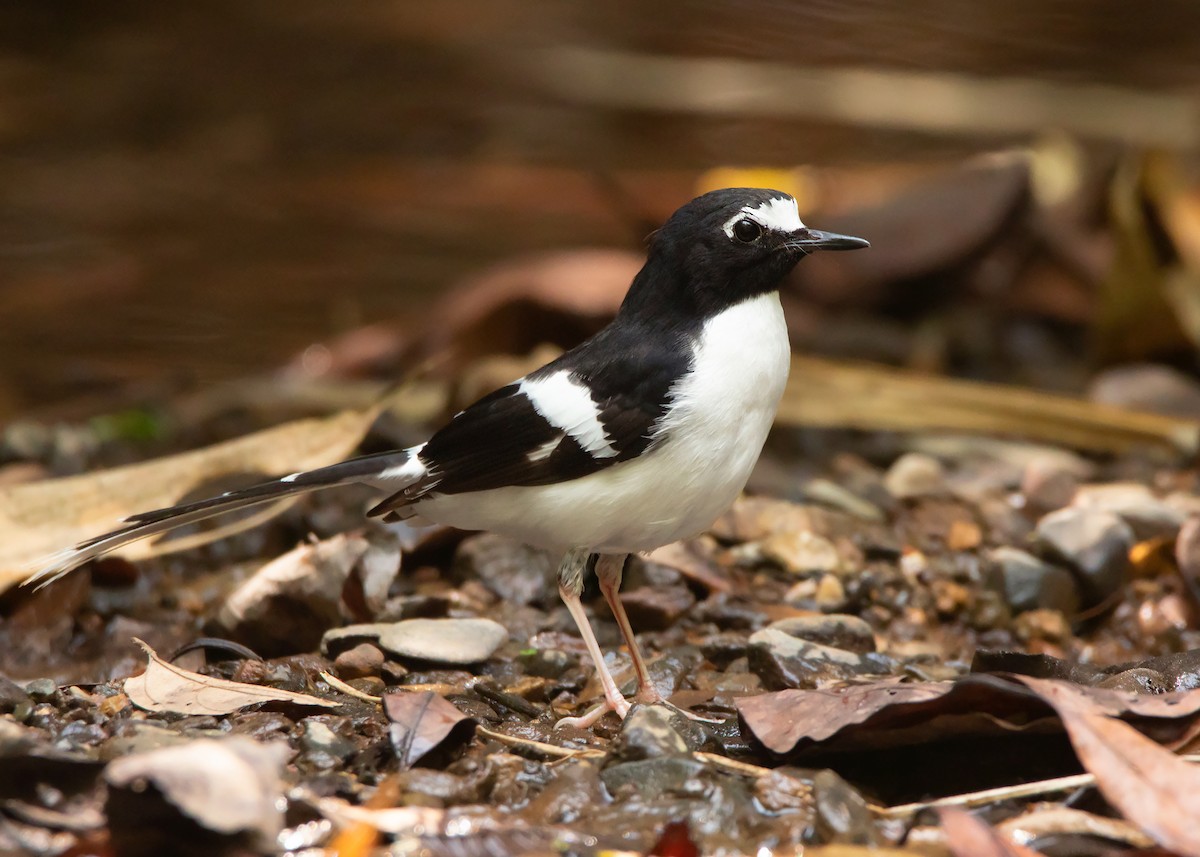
(1148, 387)
(41, 689)
(361, 661)
(648, 733)
(1095, 543)
(1135, 504)
(11, 695)
(517, 573)
(446, 641)
(801, 552)
(653, 778)
(842, 813)
(1048, 483)
(837, 630)
(829, 493)
(831, 594)
(1028, 583)
(1187, 554)
(656, 608)
(782, 661)
(547, 663)
(915, 474)
(323, 747)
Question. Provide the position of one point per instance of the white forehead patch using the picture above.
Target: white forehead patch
(779, 214)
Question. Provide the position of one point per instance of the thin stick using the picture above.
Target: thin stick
(539, 746)
(341, 687)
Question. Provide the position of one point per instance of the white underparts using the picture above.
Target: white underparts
(779, 215)
(568, 406)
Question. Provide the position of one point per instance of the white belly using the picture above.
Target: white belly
(712, 438)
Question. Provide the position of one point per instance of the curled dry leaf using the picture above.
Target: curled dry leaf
(393, 820)
(40, 518)
(967, 836)
(166, 687)
(227, 785)
(1151, 786)
(420, 722)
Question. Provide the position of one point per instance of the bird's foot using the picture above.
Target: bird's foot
(648, 694)
(591, 718)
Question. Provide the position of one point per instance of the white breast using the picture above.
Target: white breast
(710, 440)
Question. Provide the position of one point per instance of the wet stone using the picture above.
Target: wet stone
(724, 647)
(648, 732)
(656, 608)
(322, 747)
(783, 661)
(1048, 483)
(446, 641)
(842, 813)
(517, 573)
(836, 630)
(1028, 583)
(547, 663)
(652, 777)
(361, 661)
(915, 474)
(1187, 554)
(1095, 543)
(801, 552)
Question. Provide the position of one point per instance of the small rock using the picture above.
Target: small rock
(323, 747)
(842, 813)
(11, 695)
(915, 474)
(517, 573)
(837, 630)
(656, 608)
(1148, 387)
(830, 594)
(446, 641)
(723, 647)
(361, 661)
(801, 552)
(41, 690)
(648, 733)
(782, 661)
(1135, 504)
(1095, 543)
(1048, 484)
(652, 778)
(1028, 583)
(829, 493)
(1187, 554)
(547, 663)
(1048, 626)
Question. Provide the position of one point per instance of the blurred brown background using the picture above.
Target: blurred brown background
(195, 192)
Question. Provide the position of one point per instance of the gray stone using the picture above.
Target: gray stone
(11, 695)
(517, 573)
(1028, 583)
(1048, 483)
(801, 552)
(1136, 505)
(41, 689)
(337, 640)
(1148, 387)
(842, 813)
(323, 748)
(829, 493)
(782, 660)
(446, 641)
(1094, 543)
(915, 474)
(652, 778)
(647, 733)
(837, 630)
(1137, 680)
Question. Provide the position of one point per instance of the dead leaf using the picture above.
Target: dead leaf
(41, 518)
(227, 785)
(842, 394)
(166, 687)
(1151, 786)
(393, 820)
(420, 722)
(967, 836)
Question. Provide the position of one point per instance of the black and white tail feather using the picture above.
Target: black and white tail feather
(391, 470)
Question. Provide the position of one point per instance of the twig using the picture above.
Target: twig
(979, 798)
(539, 746)
(341, 687)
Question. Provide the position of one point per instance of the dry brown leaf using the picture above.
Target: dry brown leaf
(967, 836)
(1151, 786)
(166, 687)
(41, 518)
(228, 785)
(838, 394)
(422, 721)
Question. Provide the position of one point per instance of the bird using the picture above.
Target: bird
(642, 435)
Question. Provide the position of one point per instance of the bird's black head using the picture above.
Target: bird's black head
(724, 247)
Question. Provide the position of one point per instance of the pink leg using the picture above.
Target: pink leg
(570, 586)
(609, 570)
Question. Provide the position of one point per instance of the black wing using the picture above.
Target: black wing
(502, 440)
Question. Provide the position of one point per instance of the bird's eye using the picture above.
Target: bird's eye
(746, 230)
